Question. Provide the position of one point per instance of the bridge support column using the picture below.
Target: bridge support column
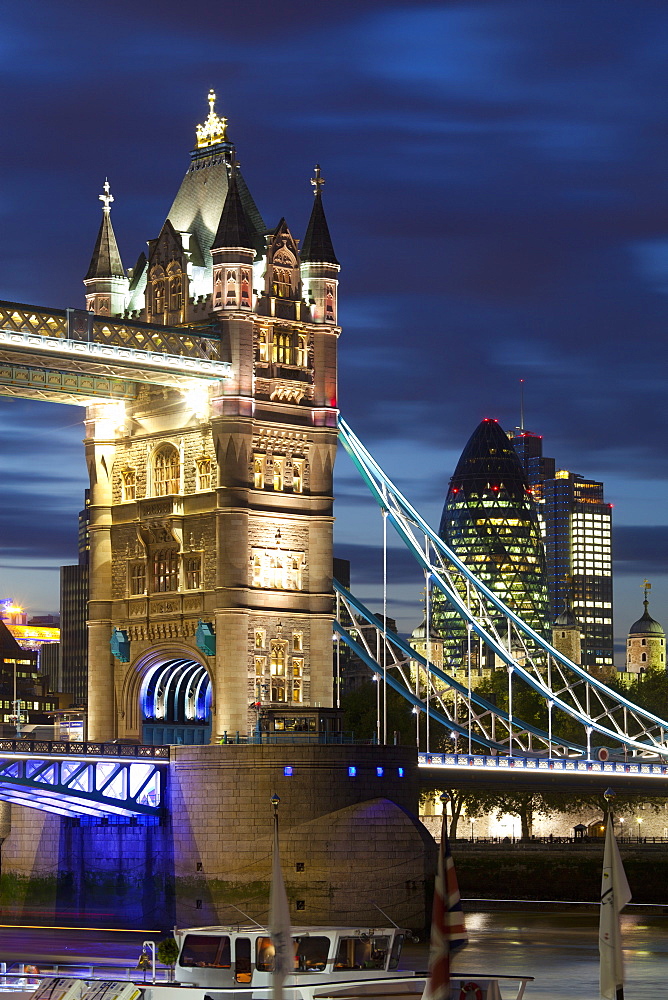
(102, 425)
(231, 694)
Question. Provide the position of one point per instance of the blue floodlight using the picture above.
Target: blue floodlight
(380, 771)
(287, 771)
(352, 771)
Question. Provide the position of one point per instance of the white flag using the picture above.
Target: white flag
(279, 924)
(615, 894)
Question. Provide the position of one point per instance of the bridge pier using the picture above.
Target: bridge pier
(350, 839)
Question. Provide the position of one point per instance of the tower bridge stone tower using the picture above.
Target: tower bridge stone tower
(211, 511)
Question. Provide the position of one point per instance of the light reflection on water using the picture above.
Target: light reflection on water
(561, 951)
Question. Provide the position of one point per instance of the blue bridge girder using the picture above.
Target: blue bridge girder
(565, 687)
(84, 779)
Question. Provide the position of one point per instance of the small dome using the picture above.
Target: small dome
(646, 625)
(567, 618)
(420, 632)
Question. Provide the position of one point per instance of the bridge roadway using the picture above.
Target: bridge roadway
(634, 776)
(128, 781)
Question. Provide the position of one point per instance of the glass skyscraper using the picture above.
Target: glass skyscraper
(490, 521)
(577, 525)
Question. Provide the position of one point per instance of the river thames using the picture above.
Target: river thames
(560, 949)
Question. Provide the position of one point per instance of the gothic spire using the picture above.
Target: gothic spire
(233, 228)
(106, 260)
(317, 245)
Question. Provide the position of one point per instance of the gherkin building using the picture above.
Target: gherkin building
(490, 521)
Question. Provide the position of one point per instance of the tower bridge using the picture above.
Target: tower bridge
(209, 376)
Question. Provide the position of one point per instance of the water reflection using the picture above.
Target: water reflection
(561, 951)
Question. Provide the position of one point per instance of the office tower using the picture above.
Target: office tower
(490, 521)
(73, 665)
(577, 524)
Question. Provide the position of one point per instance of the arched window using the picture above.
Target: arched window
(277, 669)
(203, 468)
(128, 484)
(166, 471)
(245, 289)
(282, 349)
(258, 471)
(297, 673)
(301, 358)
(137, 578)
(278, 473)
(298, 475)
(193, 572)
(176, 294)
(231, 297)
(257, 571)
(329, 302)
(263, 346)
(165, 571)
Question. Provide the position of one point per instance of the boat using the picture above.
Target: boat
(236, 963)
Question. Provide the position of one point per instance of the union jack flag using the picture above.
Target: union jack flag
(448, 931)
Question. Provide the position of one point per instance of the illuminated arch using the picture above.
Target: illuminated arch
(172, 694)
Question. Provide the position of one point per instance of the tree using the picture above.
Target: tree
(360, 713)
(167, 954)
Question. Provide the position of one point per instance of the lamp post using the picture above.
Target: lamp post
(471, 822)
(146, 947)
(416, 713)
(638, 821)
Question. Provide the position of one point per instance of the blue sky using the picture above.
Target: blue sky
(497, 194)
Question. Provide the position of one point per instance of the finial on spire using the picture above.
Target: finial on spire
(317, 181)
(214, 129)
(646, 586)
(107, 197)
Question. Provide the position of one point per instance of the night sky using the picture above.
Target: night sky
(497, 193)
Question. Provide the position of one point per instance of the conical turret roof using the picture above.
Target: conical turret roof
(233, 228)
(317, 245)
(106, 260)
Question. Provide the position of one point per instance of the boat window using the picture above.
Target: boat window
(397, 945)
(206, 951)
(362, 953)
(242, 960)
(311, 954)
(264, 957)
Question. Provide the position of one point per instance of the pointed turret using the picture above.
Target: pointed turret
(233, 252)
(319, 264)
(105, 281)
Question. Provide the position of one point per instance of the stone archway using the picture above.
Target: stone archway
(175, 695)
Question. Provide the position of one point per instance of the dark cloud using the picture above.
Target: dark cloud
(495, 189)
(641, 550)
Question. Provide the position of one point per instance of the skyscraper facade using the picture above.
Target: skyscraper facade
(577, 526)
(490, 521)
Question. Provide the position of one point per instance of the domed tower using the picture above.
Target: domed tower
(490, 522)
(646, 642)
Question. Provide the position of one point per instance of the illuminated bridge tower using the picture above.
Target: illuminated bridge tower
(211, 511)
(490, 522)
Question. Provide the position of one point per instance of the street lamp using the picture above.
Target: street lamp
(638, 821)
(471, 822)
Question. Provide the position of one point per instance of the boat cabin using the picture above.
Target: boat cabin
(228, 956)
